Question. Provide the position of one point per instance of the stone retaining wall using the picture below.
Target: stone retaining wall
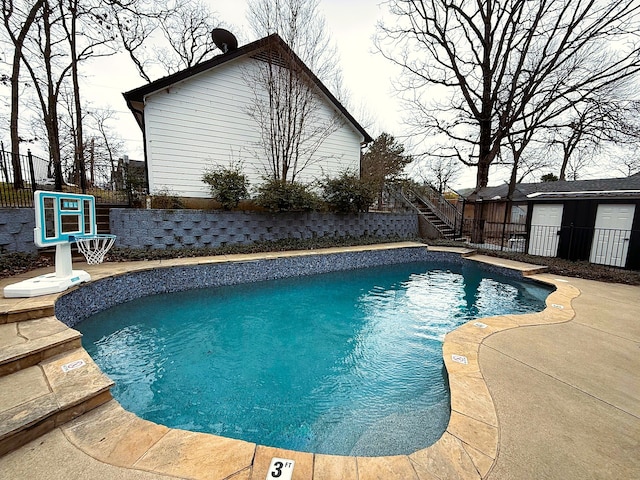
(16, 230)
(159, 229)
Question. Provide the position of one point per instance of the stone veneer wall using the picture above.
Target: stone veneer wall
(73, 307)
(16, 230)
(159, 229)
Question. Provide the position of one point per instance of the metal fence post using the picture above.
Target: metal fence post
(571, 228)
(34, 185)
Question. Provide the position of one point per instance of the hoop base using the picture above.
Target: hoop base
(45, 284)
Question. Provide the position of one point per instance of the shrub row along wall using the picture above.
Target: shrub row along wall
(160, 229)
(16, 230)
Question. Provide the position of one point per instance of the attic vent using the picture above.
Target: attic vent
(274, 58)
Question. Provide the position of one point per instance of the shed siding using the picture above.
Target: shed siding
(204, 121)
(578, 226)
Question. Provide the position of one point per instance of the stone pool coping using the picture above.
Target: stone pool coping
(467, 449)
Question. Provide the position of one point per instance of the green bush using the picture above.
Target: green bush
(348, 193)
(228, 185)
(278, 196)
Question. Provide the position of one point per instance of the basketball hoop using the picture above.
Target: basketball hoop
(95, 247)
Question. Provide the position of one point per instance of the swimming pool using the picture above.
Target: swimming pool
(240, 365)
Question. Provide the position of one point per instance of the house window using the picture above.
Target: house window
(518, 214)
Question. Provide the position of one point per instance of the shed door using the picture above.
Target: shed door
(612, 233)
(545, 229)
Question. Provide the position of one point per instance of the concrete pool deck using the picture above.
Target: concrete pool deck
(547, 395)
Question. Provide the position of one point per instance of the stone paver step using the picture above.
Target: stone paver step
(37, 399)
(27, 343)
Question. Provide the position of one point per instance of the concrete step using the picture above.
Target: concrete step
(37, 399)
(12, 315)
(27, 343)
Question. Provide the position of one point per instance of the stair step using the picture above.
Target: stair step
(42, 397)
(27, 343)
(29, 313)
(102, 219)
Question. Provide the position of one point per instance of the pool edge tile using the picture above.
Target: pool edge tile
(334, 467)
(447, 459)
(303, 468)
(197, 455)
(395, 467)
(113, 435)
(479, 435)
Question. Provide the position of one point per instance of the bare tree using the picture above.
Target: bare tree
(44, 57)
(590, 127)
(627, 164)
(439, 172)
(135, 21)
(303, 28)
(187, 31)
(493, 65)
(173, 35)
(87, 37)
(577, 164)
(287, 104)
(107, 144)
(17, 24)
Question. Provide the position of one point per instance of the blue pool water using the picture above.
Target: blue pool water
(346, 363)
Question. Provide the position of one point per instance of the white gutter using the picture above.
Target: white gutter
(587, 192)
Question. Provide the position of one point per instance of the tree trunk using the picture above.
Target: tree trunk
(563, 169)
(477, 232)
(79, 140)
(18, 42)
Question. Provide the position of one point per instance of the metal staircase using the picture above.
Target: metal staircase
(443, 216)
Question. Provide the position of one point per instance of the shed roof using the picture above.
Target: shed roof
(603, 187)
(135, 97)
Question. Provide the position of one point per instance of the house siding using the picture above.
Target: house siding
(204, 121)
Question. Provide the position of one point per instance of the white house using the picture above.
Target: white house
(200, 117)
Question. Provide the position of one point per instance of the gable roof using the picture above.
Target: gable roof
(135, 97)
(604, 187)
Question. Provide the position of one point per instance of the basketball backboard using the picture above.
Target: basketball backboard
(61, 216)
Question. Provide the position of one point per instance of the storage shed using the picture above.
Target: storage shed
(594, 220)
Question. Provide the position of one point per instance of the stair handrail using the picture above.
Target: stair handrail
(399, 193)
(446, 211)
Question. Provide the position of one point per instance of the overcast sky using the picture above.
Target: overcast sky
(367, 75)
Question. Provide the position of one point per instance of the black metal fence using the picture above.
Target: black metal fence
(509, 237)
(612, 247)
(603, 246)
(21, 175)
